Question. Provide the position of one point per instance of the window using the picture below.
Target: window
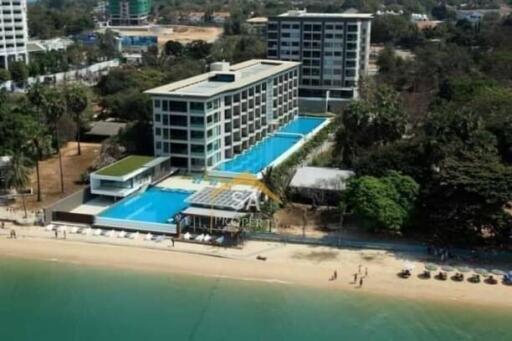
(178, 106)
(157, 117)
(196, 135)
(197, 106)
(227, 100)
(157, 103)
(165, 105)
(176, 120)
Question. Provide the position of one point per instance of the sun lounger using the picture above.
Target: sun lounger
(98, 232)
(200, 238)
(220, 240)
(148, 236)
(121, 234)
(187, 236)
(50, 227)
(111, 233)
(160, 239)
(207, 238)
(134, 235)
(87, 231)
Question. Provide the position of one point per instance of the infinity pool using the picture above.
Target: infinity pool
(155, 205)
(262, 154)
(302, 125)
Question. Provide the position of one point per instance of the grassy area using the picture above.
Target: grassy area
(125, 166)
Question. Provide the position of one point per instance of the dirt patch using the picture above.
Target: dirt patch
(73, 166)
(298, 218)
(316, 256)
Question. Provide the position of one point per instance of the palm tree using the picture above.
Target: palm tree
(76, 103)
(18, 176)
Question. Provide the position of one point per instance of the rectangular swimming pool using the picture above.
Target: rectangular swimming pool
(258, 157)
(155, 205)
(302, 125)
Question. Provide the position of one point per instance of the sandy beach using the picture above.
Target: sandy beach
(289, 264)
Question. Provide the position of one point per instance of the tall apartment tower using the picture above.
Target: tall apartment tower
(129, 12)
(334, 50)
(13, 32)
(204, 120)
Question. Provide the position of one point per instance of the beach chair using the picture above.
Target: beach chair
(148, 236)
(121, 234)
(98, 232)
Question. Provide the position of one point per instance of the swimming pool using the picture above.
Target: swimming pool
(262, 154)
(155, 205)
(302, 125)
(255, 159)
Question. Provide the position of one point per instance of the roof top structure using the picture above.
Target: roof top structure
(320, 178)
(207, 85)
(306, 15)
(125, 166)
(105, 128)
(221, 198)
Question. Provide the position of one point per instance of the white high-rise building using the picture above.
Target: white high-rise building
(13, 32)
(204, 120)
(334, 49)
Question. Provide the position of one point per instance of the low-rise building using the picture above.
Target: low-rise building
(129, 175)
(204, 120)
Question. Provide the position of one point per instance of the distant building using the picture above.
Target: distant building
(474, 16)
(257, 25)
(334, 50)
(129, 12)
(13, 32)
(202, 121)
(136, 43)
(220, 17)
(56, 44)
(5, 162)
(415, 17)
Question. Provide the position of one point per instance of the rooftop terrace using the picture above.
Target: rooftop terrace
(205, 85)
(125, 166)
(305, 14)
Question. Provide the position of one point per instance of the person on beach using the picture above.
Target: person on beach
(172, 241)
(64, 234)
(366, 272)
(56, 233)
(359, 270)
(3, 225)
(361, 282)
(355, 278)
(335, 275)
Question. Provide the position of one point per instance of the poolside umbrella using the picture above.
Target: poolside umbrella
(464, 269)
(447, 268)
(431, 267)
(498, 272)
(481, 271)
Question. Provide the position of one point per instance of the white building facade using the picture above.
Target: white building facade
(13, 32)
(204, 120)
(334, 50)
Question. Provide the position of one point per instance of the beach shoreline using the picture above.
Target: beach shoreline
(286, 264)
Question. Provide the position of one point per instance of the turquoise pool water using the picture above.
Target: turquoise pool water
(259, 156)
(255, 159)
(156, 205)
(302, 125)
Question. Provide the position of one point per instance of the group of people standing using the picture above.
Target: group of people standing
(357, 276)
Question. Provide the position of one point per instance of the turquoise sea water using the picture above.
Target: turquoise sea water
(155, 205)
(56, 301)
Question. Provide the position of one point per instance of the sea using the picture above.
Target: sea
(50, 300)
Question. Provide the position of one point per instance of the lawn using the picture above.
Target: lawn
(125, 166)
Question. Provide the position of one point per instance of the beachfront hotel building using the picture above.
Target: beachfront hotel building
(129, 12)
(334, 50)
(13, 32)
(204, 120)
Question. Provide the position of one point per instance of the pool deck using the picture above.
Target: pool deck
(94, 206)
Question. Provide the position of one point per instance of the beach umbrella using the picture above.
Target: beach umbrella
(498, 272)
(447, 268)
(464, 269)
(431, 267)
(481, 271)
(408, 266)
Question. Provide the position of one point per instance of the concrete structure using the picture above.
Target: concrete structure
(129, 175)
(257, 25)
(334, 50)
(129, 12)
(201, 121)
(13, 32)
(56, 44)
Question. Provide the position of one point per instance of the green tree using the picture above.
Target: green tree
(383, 203)
(4, 75)
(375, 121)
(19, 72)
(18, 176)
